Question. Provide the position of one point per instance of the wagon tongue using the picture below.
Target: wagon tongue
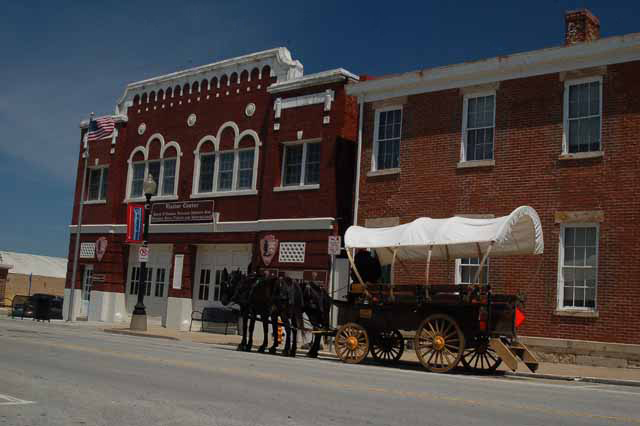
(519, 317)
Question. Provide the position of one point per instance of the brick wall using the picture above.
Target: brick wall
(527, 171)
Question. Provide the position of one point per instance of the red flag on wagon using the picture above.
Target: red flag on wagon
(519, 317)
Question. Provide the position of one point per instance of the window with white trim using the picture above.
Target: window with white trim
(301, 164)
(97, 190)
(478, 127)
(386, 141)
(582, 115)
(226, 171)
(163, 172)
(578, 275)
(467, 268)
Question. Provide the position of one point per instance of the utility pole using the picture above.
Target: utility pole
(85, 154)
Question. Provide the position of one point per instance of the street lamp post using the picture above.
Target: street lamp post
(139, 317)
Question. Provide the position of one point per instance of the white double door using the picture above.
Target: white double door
(157, 280)
(211, 260)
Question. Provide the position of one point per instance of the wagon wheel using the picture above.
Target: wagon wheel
(387, 346)
(481, 357)
(352, 343)
(439, 343)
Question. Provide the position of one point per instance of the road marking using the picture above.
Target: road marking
(9, 400)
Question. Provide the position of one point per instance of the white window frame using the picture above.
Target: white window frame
(301, 185)
(565, 114)
(159, 180)
(458, 272)
(102, 198)
(560, 288)
(216, 172)
(465, 111)
(376, 127)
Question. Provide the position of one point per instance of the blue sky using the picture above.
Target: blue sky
(61, 60)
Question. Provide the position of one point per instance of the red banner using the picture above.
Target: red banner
(135, 223)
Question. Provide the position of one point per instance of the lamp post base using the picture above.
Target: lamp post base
(138, 322)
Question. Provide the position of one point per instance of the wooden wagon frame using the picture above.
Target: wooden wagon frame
(452, 323)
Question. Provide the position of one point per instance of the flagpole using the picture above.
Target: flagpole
(85, 154)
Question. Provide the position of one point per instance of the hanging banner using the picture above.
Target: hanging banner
(101, 248)
(135, 223)
(268, 248)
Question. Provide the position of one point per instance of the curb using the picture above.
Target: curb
(618, 382)
(137, 333)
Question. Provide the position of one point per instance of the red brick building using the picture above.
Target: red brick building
(273, 148)
(556, 129)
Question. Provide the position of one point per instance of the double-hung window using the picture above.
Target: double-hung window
(163, 172)
(467, 268)
(478, 127)
(301, 164)
(578, 275)
(226, 171)
(98, 184)
(582, 115)
(387, 135)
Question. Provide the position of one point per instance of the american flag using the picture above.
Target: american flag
(100, 128)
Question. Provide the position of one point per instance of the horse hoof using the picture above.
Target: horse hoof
(272, 351)
(247, 348)
(285, 353)
(312, 355)
(292, 354)
(240, 348)
(261, 349)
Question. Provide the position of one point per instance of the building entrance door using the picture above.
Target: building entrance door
(87, 283)
(156, 282)
(211, 261)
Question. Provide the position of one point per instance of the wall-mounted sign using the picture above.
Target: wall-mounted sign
(334, 244)
(101, 248)
(143, 254)
(98, 278)
(135, 222)
(268, 248)
(182, 212)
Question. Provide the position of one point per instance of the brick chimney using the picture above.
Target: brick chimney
(580, 26)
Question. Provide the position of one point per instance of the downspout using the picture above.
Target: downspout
(357, 195)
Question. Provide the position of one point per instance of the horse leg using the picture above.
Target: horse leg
(265, 332)
(315, 346)
(287, 330)
(252, 326)
(274, 331)
(294, 335)
(245, 318)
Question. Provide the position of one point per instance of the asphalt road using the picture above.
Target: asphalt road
(61, 375)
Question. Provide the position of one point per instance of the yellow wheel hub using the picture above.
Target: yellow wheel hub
(438, 343)
(352, 343)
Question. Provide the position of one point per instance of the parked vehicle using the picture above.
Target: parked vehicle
(449, 324)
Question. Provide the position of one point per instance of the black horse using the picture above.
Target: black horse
(273, 298)
(317, 307)
(254, 294)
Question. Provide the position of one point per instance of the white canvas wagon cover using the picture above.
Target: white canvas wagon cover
(519, 233)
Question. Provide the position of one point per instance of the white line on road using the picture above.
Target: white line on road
(9, 400)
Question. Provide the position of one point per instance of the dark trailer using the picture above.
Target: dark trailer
(449, 324)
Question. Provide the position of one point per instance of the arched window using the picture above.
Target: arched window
(159, 159)
(226, 164)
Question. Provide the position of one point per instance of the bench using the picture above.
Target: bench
(216, 320)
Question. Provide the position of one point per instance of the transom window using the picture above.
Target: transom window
(163, 172)
(578, 279)
(301, 164)
(387, 135)
(467, 268)
(98, 184)
(226, 171)
(478, 127)
(583, 118)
